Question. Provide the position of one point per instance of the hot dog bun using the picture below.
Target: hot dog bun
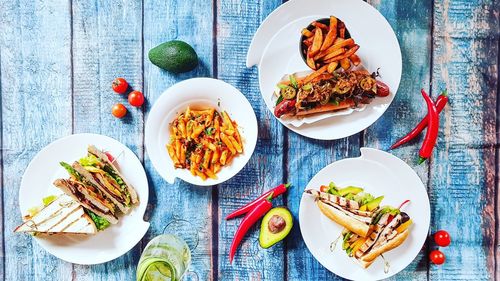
(327, 107)
(369, 258)
(341, 218)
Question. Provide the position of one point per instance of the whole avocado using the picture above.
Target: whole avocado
(174, 56)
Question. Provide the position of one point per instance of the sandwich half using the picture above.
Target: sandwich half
(389, 229)
(63, 215)
(87, 194)
(350, 207)
(103, 174)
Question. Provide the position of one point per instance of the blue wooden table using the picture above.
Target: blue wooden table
(58, 59)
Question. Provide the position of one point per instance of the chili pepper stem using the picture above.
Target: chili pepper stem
(421, 160)
(270, 197)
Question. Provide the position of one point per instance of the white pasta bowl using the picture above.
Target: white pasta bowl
(198, 93)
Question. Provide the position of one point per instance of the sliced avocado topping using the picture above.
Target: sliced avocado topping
(275, 226)
(373, 204)
(350, 189)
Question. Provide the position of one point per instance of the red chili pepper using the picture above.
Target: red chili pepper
(441, 101)
(250, 219)
(432, 131)
(280, 189)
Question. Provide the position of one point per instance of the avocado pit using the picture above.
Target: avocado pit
(276, 224)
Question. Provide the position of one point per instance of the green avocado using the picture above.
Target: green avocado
(372, 205)
(350, 189)
(174, 56)
(275, 226)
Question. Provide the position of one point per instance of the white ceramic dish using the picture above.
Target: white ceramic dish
(198, 92)
(105, 245)
(275, 47)
(379, 173)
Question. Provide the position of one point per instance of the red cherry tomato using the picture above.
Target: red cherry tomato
(110, 157)
(119, 85)
(437, 257)
(136, 98)
(119, 110)
(442, 238)
(324, 188)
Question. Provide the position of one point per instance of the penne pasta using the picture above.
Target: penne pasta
(223, 157)
(206, 159)
(203, 140)
(227, 121)
(215, 156)
(210, 174)
(197, 131)
(227, 142)
(235, 144)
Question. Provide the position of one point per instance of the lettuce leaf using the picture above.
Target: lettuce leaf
(100, 222)
(71, 171)
(90, 160)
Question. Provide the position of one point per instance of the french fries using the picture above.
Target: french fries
(327, 46)
(203, 141)
(316, 45)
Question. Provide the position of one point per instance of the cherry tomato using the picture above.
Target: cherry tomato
(324, 188)
(119, 85)
(136, 98)
(442, 238)
(119, 110)
(437, 257)
(110, 157)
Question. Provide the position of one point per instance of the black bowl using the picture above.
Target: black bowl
(310, 27)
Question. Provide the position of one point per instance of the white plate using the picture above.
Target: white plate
(198, 92)
(379, 173)
(275, 47)
(105, 245)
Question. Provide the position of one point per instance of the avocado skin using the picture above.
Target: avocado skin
(266, 237)
(175, 56)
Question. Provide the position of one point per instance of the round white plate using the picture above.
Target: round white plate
(379, 173)
(198, 92)
(275, 47)
(105, 245)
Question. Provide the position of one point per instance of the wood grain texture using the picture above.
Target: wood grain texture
(412, 23)
(236, 23)
(36, 90)
(107, 43)
(463, 170)
(306, 157)
(189, 21)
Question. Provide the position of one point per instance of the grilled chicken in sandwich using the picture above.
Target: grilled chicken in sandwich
(327, 92)
(388, 230)
(63, 215)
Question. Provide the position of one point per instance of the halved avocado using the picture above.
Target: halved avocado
(350, 189)
(275, 226)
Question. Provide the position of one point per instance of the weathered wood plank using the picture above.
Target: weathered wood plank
(411, 20)
(306, 157)
(2, 226)
(236, 23)
(190, 21)
(36, 109)
(462, 174)
(107, 43)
